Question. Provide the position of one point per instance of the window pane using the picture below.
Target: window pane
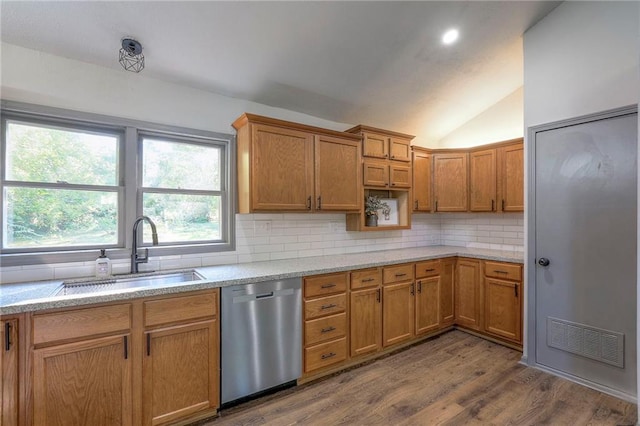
(182, 217)
(37, 217)
(179, 165)
(42, 154)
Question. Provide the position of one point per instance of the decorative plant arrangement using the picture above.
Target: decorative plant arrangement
(372, 204)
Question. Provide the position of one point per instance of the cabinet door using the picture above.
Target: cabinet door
(399, 149)
(366, 321)
(9, 365)
(427, 305)
(450, 182)
(399, 176)
(281, 169)
(447, 286)
(376, 146)
(512, 178)
(502, 314)
(421, 182)
(482, 181)
(83, 383)
(337, 174)
(467, 295)
(375, 174)
(180, 372)
(398, 313)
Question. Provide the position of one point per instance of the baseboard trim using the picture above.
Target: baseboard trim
(579, 380)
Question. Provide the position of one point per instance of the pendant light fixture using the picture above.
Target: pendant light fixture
(131, 57)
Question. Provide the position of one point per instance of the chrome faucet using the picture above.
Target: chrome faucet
(135, 259)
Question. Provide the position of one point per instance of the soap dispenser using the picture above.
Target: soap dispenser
(103, 265)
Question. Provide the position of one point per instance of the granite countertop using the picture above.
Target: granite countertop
(28, 297)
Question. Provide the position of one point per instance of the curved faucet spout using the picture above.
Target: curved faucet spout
(135, 259)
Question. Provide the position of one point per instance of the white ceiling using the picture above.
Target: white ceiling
(374, 63)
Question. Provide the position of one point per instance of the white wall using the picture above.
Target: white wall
(502, 121)
(43, 79)
(582, 58)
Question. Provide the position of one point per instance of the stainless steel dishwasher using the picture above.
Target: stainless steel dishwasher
(261, 338)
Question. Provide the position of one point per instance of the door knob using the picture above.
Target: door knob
(543, 261)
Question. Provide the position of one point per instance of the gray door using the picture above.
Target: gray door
(585, 225)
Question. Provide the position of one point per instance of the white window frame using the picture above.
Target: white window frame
(129, 183)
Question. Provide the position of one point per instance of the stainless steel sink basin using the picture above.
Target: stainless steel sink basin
(125, 283)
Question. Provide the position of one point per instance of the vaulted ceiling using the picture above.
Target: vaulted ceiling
(375, 63)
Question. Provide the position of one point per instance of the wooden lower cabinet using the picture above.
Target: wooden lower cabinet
(447, 291)
(467, 295)
(148, 361)
(398, 323)
(9, 364)
(366, 321)
(427, 305)
(83, 383)
(180, 372)
(502, 316)
(325, 321)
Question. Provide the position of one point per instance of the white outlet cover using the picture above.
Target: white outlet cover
(262, 227)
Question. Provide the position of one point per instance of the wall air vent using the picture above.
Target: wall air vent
(594, 343)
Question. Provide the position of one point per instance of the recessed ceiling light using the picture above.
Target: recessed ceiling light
(450, 36)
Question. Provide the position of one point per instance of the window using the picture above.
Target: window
(181, 189)
(73, 183)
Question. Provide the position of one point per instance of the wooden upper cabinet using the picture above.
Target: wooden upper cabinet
(284, 166)
(374, 145)
(399, 176)
(375, 174)
(337, 174)
(281, 169)
(482, 180)
(399, 149)
(450, 182)
(511, 177)
(421, 181)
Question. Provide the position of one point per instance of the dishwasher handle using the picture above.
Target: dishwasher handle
(264, 296)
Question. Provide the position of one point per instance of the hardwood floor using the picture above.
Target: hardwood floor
(455, 379)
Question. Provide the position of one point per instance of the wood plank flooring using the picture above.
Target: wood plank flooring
(455, 379)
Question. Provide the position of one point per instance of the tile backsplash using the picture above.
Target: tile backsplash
(262, 237)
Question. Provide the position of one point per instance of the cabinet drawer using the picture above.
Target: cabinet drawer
(366, 278)
(79, 323)
(323, 329)
(430, 268)
(325, 354)
(508, 271)
(177, 309)
(398, 273)
(325, 306)
(325, 284)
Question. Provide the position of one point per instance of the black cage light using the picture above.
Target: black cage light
(131, 57)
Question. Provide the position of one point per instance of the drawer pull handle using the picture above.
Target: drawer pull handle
(429, 270)
(500, 272)
(368, 280)
(328, 329)
(400, 275)
(7, 336)
(329, 355)
(328, 286)
(329, 306)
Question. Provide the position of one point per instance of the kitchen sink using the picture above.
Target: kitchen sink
(125, 283)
